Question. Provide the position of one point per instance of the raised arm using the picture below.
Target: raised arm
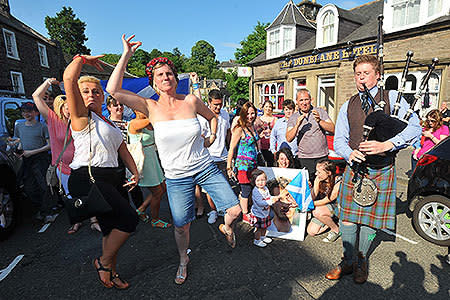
(138, 124)
(39, 94)
(114, 86)
(77, 108)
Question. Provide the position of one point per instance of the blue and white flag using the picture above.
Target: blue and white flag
(300, 191)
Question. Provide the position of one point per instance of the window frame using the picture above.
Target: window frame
(21, 87)
(323, 12)
(274, 97)
(279, 43)
(45, 56)
(14, 44)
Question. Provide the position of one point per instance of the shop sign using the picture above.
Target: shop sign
(334, 55)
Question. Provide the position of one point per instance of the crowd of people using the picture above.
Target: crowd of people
(190, 146)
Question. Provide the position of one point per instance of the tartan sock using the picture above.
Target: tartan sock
(348, 241)
(366, 236)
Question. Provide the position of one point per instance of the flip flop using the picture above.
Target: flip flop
(230, 237)
(143, 216)
(160, 224)
(180, 278)
(101, 268)
(74, 228)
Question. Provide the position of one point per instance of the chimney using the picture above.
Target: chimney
(309, 8)
(4, 7)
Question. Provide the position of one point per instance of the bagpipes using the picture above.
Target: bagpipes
(378, 125)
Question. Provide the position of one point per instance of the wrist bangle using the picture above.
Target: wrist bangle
(49, 81)
(228, 169)
(195, 86)
(82, 57)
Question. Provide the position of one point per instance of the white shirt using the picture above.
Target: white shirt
(181, 147)
(218, 149)
(105, 142)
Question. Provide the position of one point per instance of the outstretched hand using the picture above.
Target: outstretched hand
(128, 45)
(94, 61)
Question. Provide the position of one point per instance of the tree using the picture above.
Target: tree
(237, 86)
(68, 31)
(111, 58)
(203, 59)
(253, 45)
(137, 62)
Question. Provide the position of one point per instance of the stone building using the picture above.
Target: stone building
(26, 57)
(326, 44)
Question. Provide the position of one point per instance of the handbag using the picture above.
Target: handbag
(260, 160)
(91, 205)
(365, 192)
(51, 176)
(137, 152)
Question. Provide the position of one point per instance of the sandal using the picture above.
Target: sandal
(95, 226)
(160, 223)
(143, 216)
(115, 278)
(182, 268)
(231, 237)
(74, 228)
(101, 268)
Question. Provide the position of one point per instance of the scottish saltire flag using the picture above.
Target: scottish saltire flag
(300, 191)
(141, 87)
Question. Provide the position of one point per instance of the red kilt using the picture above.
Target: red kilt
(380, 215)
(259, 222)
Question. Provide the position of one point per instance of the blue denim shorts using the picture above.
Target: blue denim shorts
(181, 193)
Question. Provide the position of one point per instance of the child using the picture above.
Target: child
(259, 216)
(325, 191)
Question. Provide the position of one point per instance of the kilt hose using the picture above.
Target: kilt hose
(382, 213)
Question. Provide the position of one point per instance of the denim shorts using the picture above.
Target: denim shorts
(181, 193)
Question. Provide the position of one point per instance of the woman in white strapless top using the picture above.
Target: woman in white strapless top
(184, 158)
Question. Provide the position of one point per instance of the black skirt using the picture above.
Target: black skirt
(123, 217)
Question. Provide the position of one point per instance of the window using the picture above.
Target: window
(17, 82)
(12, 114)
(430, 96)
(325, 95)
(327, 26)
(406, 12)
(42, 50)
(273, 92)
(299, 84)
(288, 41)
(434, 7)
(10, 44)
(274, 43)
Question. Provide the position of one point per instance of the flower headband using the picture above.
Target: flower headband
(159, 60)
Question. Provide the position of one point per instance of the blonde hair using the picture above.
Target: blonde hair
(58, 104)
(89, 78)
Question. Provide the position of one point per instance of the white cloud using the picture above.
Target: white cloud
(231, 45)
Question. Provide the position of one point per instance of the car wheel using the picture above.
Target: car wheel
(431, 219)
(8, 213)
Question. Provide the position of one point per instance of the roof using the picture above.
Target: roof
(290, 15)
(365, 14)
(228, 64)
(12, 22)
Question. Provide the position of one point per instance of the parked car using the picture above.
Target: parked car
(429, 195)
(10, 192)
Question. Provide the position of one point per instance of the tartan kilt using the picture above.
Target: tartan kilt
(382, 213)
(259, 222)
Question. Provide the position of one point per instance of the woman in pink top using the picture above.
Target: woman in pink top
(57, 126)
(433, 131)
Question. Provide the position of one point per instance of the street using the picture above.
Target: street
(56, 265)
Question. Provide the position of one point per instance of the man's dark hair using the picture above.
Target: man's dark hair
(289, 103)
(214, 94)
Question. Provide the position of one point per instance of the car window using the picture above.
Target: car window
(12, 113)
(442, 149)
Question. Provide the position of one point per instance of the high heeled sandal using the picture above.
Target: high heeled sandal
(230, 237)
(180, 278)
(101, 268)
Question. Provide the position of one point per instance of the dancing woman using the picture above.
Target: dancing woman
(184, 158)
(97, 142)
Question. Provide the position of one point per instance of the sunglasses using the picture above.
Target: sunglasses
(115, 105)
(431, 121)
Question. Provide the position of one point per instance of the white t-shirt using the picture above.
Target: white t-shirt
(105, 140)
(218, 149)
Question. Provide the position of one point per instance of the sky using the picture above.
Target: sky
(163, 25)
